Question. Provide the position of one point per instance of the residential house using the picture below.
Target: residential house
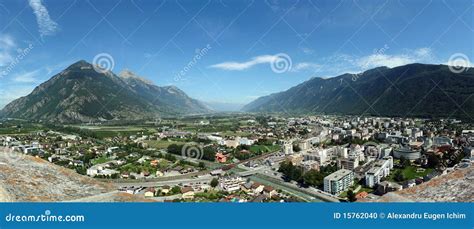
(386, 186)
(187, 193)
(269, 191)
(257, 188)
(150, 192)
(220, 157)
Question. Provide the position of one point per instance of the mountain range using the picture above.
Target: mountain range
(420, 90)
(81, 94)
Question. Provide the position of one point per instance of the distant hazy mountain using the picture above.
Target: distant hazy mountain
(410, 90)
(80, 94)
(218, 106)
(170, 97)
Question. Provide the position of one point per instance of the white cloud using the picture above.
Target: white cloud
(46, 25)
(421, 55)
(27, 77)
(341, 63)
(7, 46)
(6, 41)
(307, 66)
(376, 60)
(239, 66)
(306, 50)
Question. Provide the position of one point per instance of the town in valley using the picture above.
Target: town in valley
(257, 157)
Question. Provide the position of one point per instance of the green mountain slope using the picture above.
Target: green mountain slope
(80, 94)
(411, 90)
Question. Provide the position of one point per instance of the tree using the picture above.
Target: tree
(313, 178)
(202, 165)
(175, 189)
(296, 148)
(404, 162)
(214, 182)
(351, 196)
(290, 171)
(433, 161)
(399, 176)
(208, 154)
(174, 149)
(262, 120)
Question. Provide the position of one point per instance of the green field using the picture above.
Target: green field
(410, 173)
(112, 131)
(12, 130)
(161, 144)
(100, 160)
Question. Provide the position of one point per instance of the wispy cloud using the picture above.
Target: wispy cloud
(239, 66)
(27, 77)
(7, 46)
(46, 25)
(307, 50)
(380, 59)
(341, 63)
(307, 66)
(344, 63)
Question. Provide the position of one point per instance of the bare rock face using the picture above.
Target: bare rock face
(455, 186)
(25, 178)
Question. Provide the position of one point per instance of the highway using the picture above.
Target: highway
(204, 178)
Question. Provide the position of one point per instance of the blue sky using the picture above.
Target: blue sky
(227, 51)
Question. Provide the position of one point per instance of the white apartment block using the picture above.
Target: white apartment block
(338, 181)
(380, 170)
(288, 148)
(231, 183)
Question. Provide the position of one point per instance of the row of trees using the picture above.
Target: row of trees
(84, 133)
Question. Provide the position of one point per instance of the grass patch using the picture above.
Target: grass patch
(161, 144)
(100, 160)
(409, 173)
